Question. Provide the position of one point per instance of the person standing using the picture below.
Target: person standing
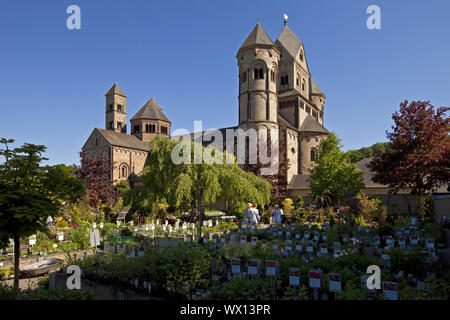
(254, 218)
(247, 213)
(277, 215)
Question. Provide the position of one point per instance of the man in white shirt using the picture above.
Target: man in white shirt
(254, 218)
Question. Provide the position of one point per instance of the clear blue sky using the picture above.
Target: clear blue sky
(182, 53)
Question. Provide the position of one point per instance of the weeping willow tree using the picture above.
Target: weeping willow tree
(181, 183)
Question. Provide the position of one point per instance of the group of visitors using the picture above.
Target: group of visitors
(252, 217)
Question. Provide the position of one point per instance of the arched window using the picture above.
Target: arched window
(244, 77)
(261, 73)
(303, 84)
(272, 75)
(286, 79)
(256, 74)
(313, 155)
(123, 171)
(301, 55)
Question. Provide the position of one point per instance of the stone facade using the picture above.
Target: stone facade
(127, 153)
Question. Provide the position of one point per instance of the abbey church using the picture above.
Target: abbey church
(276, 91)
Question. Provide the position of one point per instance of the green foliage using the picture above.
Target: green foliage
(287, 205)
(352, 291)
(57, 294)
(80, 237)
(330, 178)
(179, 184)
(374, 150)
(244, 289)
(235, 250)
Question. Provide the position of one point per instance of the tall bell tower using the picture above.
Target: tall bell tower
(258, 59)
(116, 110)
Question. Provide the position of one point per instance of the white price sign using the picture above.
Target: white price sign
(271, 268)
(235, 266)
(294, 277)
(335, 283)
(315, 278)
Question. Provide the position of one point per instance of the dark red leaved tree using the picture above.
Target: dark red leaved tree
(278, 181)
(419, 156)
(94, 171)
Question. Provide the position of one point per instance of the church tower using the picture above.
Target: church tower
(116, 109)
(258, 59)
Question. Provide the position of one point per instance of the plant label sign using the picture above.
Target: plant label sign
(271, 268)
(414, 240)
(32, 240)
(264, 244)
(280, 232)
(389, 241)
(297, 235)
(275, 246)
(232, 238)
(376, 241)
(293, 226)
(106, 247)
(324, 237)
(214, 238)
(210, 223)
(335, 282)
(315, 277)
(298, 247)
(141, 251)
(294, 277)
(309, 247)
(407, 231)
(401, 242)
(288, 234)
(243, 239)
(60, 236)
(254, 241)
(252, 267)
(235, 266)
(307, 235)
(206, 237)
(429, 243)
(390, 289)
(222, 238)
(323, 248)
(316, 237)
(288, 245)
(413, 221)
(367, 229)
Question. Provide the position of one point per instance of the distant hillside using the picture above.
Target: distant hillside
(368, 152)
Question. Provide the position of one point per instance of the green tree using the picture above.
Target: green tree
(29, 193)
(180, 185)
(331, 178)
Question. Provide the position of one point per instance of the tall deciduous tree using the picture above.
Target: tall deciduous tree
(99, 188)
(419, 156)
(331, 179)
(180, 184)
(29, 193)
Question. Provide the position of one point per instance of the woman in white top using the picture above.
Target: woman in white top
(277, 214)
